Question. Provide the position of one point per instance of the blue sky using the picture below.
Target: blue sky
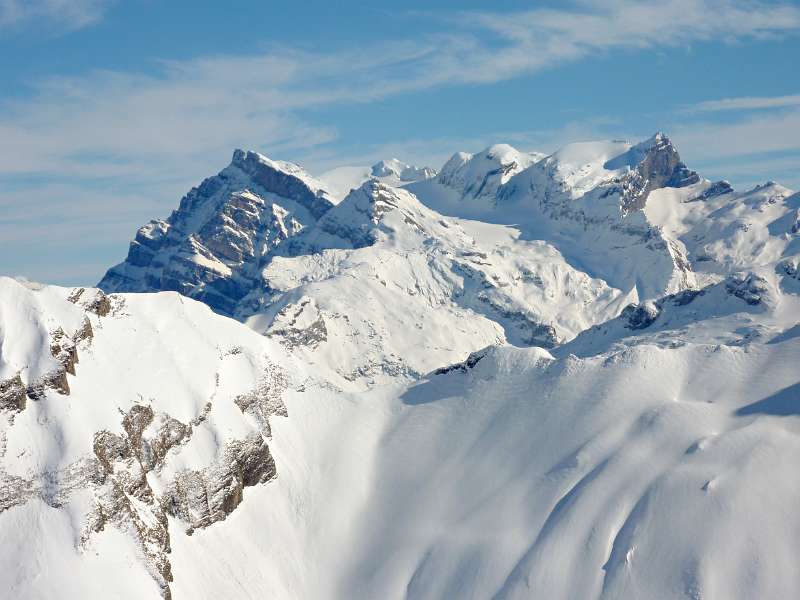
(111, 110)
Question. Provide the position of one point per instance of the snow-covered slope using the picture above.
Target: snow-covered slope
(646, 470)
(724, 230)
(346, 292)
(125, 421)
(643, 473)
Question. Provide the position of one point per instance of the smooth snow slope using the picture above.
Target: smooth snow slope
(646, 473)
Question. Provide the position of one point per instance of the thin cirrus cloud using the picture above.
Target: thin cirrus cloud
(65, 14)
(760, 134)
(747, 103)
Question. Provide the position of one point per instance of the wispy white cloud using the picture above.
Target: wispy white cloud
(746, 103)
(143, 125)
(761, 134)
(66, 14)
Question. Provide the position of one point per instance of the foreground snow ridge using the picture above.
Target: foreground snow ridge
(525, 375)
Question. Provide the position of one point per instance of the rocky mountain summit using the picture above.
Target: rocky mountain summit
(212, 247)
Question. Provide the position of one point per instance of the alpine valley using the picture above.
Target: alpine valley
(564, 376)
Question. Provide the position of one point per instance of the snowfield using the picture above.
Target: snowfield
(526, 376)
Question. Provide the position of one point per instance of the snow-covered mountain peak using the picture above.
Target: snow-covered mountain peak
(402, 172)
(582, 166)
(481, 174)
(284, 179)
(374, 210)
(210, 248)
(342, 180)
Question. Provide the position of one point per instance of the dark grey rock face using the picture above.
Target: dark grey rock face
(211, 248)
(469, 363)
(657, 165)
(749, 287)
(790, 267)
(718, 188)
(640, 316)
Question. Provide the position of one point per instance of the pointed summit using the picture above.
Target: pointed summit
(211, 247)
(285, 179)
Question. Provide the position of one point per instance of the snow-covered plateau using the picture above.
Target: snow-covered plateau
(564, 376)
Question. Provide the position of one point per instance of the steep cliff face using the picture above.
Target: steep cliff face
(212, 247)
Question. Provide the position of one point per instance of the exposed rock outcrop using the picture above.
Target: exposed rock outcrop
(13, 394)
(92, 300)
(750, 287)
(203, 497)
(641, 316)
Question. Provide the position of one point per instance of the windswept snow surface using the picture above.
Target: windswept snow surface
(565, 376)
